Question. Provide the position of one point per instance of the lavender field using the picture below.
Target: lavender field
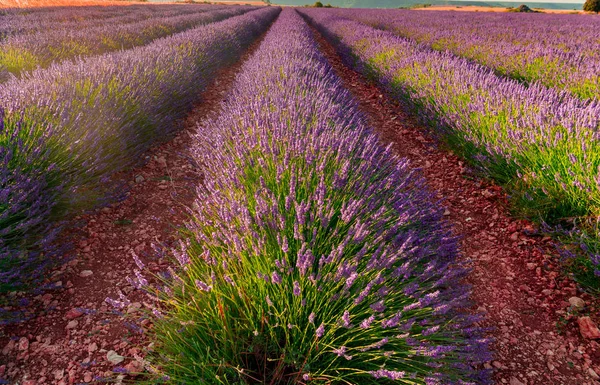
(317, 245)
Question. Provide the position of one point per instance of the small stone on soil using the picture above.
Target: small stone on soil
(114, 358)
(73, 313)
(577, 302)
(23, 344)
(515, 381)
(588, 328)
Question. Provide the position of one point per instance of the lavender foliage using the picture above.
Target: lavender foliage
(316, 255)
(29, 186)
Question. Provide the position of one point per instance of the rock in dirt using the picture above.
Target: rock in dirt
(86, 273)
(139, 179)
(73, 313)
(9, 347)
(515, 381)
(588, 328)
(577, 302)
(23, 344)
(59, 374)
(114, 357)
(134, 368)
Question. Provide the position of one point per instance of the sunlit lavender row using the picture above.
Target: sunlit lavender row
(26, 52)
(561, 51)
(36, 20)
(315, 255)
(69, 127)
(543, 144)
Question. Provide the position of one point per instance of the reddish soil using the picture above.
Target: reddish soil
(515, 276)
(74, 334)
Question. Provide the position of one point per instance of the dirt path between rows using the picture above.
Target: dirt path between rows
(516, 280)
(74, 336)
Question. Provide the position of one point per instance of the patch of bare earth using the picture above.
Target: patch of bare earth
(73, 335)
(515, 276)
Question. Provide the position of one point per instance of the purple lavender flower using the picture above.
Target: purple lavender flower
(346, 319)
(341, 352)
(275, 278)
(320, 331)
(367, 322)
(390, 374)
(378, 306)
(203, 286)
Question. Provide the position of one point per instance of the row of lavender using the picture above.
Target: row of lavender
(560, 51)
(315, 254)
(46, 19)
(543, 144)
(26, 52)
(67, 128)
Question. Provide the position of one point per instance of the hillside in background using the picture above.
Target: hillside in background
(408, 3)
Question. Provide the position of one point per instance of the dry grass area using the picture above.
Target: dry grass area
(473, 8)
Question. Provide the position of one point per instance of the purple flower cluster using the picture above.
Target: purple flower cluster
(67, 128)
(322, 228)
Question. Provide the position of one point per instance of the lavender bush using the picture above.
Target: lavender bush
(17, 21)
(315, 255)
(26, 52)
(541, 143)
(27, 190)
(71, 126)
(561, 51)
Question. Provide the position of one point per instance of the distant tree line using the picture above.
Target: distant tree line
(592, 6)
